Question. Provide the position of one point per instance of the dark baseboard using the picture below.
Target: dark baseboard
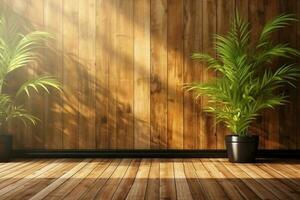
(146, 154)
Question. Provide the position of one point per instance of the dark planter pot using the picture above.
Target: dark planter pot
(5, 147)
(241, 149)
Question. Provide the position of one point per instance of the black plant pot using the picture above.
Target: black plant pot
(5, 147)
(241, 149)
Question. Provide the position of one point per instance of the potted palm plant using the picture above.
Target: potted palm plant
(246, 81)
(17, 52)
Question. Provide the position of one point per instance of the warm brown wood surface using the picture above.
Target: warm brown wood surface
(123, 63)
(149, 179)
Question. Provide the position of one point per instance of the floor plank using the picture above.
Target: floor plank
(107, 191)
(153, 181)
(138, 189)
(182, 186)
(12, 177)
(260, 191)
(72, 182)
(211, 187)
(167, 182)
(281, 177)
(118, 179)
(239, 185)
(18, 168)
(10, 165)
(84, 185)
(22, 178)
(195, 185)
(227, 186)
(280, 169)
(101, 180)
(264, 182)
(38, 180)
(127, 181)
(278, 187)
(46, 191)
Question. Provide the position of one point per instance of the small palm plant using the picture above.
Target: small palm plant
(18, 52)
(246, 82)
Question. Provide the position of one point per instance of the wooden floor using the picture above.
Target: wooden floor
(149, 179)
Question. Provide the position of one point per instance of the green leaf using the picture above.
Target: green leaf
(277, 23)
(43, 82)
(245, 85)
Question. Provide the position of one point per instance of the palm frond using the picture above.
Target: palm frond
(19, 49)
(25, 51)
(277, 23)
(37, 84)
(244, 87)
(20, 113)
(9, 111)
(274, 51)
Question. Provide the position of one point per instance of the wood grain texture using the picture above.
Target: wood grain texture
(123, 63)
(257, 21)
(87, 72)
(288, 130)
(141, 74)
(225, 11)
(37, 103)
(125, 74)
(298, 93)
(159, 74)
(271, 117)
(15, 10)
(75, 179)
(192, 42)
(105, 75)
(70, 73)
(53, 24)
(208, 126)
(175, 74)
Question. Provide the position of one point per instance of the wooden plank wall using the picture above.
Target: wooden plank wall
(122, 64)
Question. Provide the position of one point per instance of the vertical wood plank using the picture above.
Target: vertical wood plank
(70, 74)
(271, 117)
(142, 74)
(225, 12)
(208, 128)
(53, 24)
(124, 62)
(298, 85)
(198, 46)
(106, 74)
(288, 128)
(191, 44)
(103, 60)
(159, 74)
(37, 103)
(242, 6)
(86, 54)
(175, 74)
(257, 21)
